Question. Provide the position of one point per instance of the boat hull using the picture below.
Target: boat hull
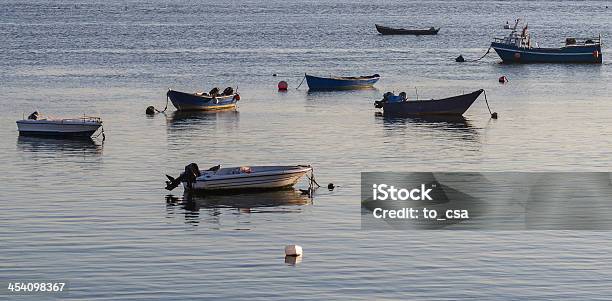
(451, 106)
(257, 181)
(589, 54)
(340, 83)
(384, 30)
(57, 129)
(190, 102)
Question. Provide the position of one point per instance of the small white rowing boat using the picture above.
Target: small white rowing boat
(238, 178)
(38, 125)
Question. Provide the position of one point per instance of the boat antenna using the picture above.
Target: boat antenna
(417, 92)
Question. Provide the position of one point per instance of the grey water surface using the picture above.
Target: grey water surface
(96, 214)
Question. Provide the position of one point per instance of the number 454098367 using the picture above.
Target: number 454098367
(27, 287)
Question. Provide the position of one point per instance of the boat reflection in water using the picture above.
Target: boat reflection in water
(201, 122)
(453, 126)
(77, 147)
(180, 119)
(278, 201)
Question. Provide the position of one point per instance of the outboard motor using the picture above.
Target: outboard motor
(33, 116)
(228, 91)
(403, 95)
(379, 104)
(214, 92)
(189, 175)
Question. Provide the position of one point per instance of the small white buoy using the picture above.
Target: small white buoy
(293, 250)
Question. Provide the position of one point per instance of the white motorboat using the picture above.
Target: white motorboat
(38, 125)
(238, 178)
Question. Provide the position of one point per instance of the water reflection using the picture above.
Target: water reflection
(326, 95)
(215, 206)
(186, 119)
(64, 146)
(458, 126)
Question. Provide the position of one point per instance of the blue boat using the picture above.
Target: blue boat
(398, 106)
(204, 101)
(517, 48)
(341, 83)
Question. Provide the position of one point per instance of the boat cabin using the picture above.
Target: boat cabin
(522, 38)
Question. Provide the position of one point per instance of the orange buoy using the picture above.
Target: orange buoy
(503, 79)
(282, 85)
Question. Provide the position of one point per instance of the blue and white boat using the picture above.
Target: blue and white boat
(518, 47)
(39, 125)
(214, 100)
(341, 82)
(238, 178)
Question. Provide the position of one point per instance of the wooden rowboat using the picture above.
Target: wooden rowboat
(203, 101)
(384, 30)
(341, 82)
(394, 105)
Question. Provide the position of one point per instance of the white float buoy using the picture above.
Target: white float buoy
(293, 250)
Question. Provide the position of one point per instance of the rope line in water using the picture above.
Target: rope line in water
(487, 101)
(493, 114)
(303, 78)
(164, 110)
(476, 60)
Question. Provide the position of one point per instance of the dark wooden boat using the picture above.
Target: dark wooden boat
(384, 30)
(393, 105)
(204, 101)
(341, 82)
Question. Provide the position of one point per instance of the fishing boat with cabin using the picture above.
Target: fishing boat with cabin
(341, 82)
(518, 47)
(218, 179)
(213, 100)
(39, 125)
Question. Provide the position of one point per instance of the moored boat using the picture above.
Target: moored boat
(39, 125)
(217, 179)
(341, 82)
(213, 100)
(384, 30)
(518, 47)
(398, 105)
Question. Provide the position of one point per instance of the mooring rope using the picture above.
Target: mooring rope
(493, 114)
(164, 110)
(460, 59)
(303, 78)
(312, 179)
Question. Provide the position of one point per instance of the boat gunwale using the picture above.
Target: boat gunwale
(479, 91)
(347, 78)
(208, 97)
(295, 170)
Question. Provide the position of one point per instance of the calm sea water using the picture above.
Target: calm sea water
(96, 214)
